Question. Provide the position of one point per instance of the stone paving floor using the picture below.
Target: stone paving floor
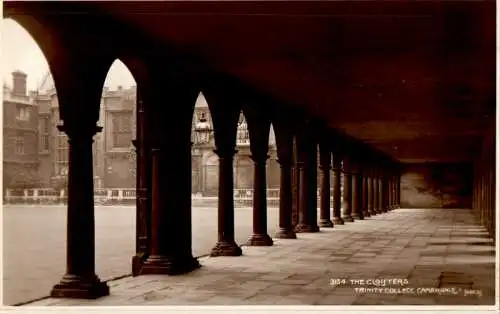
(419, 256)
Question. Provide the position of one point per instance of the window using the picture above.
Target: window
(45, 125)
(122, 129)
(44, 133)
(45, 142)
(61, 154)
(22, 113)
(19, 143)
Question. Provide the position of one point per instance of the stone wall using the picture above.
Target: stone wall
(205, 171)
(484, 200)
(436, 185)
(123, 170)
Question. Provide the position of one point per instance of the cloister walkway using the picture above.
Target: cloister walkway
(410, 251)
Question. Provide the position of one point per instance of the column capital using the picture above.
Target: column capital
(351, 167)
(355, 169)
(325, 167)
(301, 164)
(79, 131)
(259, 158)
(225, 153)
(166, 144)
(285, 162)
(136, 143)
(336, 162)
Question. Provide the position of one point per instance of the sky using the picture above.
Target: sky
(18, 51)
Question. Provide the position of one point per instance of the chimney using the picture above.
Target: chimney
(19, 83)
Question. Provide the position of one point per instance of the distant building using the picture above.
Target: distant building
(36, 152)
(20, 134)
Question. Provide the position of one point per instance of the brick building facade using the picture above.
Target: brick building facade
(20, 135)
(36, 152)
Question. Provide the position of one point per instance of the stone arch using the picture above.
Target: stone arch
(43, 36)
(27, 173)
(118, 117)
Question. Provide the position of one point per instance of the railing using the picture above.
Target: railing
(109, 196)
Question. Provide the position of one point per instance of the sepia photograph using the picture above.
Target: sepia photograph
(323, 155)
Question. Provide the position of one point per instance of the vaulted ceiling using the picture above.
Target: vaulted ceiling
(415, 79)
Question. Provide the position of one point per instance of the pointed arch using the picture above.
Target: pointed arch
(118, 117)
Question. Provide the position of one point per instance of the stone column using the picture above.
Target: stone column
(285, 220)
(488, 197)
(80, 280)
(376, 192)
(485, 194)
(143, 176)
(308, 182)
(171, 169)
(325, 161)
(259, 126)
(491, 190)
(295, 183)
(481, 196)
(226, 246)
(381, 193)
(364, 193)
(347, 195)
(389, 191)
(393, 191)
(398, 190)
(284, 150)
(370, 192)
(337, 201)
(356, 210)
(171, 248)
(260, 236)
(223, 96)
(492, 216)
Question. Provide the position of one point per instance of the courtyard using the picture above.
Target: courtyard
(34, 243)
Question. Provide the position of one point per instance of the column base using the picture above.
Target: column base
(366, 213)
(137, 262)
(226, 248)
(302, 228)
(325, 223)
(371, 212)
(165, 265)
(357, 216)
(348, 218)
(284, 233)
(338, 221)
(79, 287)
(260, 240)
